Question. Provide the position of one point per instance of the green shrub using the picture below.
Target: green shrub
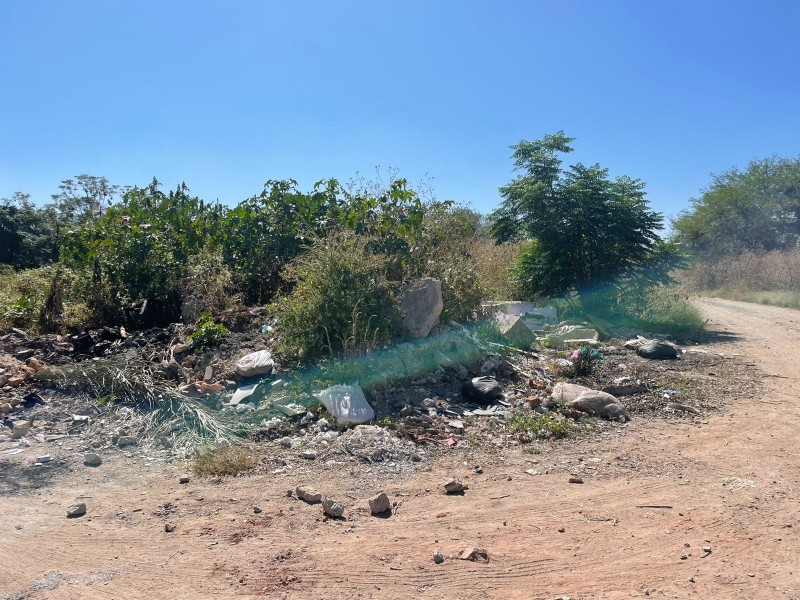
(209, 333)
(342, 301)
(548, 425)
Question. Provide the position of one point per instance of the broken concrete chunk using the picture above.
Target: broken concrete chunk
(76, 510)
(475, 554)
(347, 404)
(255, 363)
(308, 494)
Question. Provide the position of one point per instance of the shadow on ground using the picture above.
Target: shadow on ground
(18, 478)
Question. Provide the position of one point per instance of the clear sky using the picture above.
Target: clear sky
(228, 94)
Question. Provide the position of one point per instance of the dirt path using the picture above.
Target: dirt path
(731, 484)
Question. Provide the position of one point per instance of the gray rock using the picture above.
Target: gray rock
(658, 350)
(475, 554)
(257, 510)
(169, 527)
(76, 510)
(126, 440)
(44, 459)
(255, 363)
(516, 330)
(308, 454)
(438, 557)
(92, 460)
(380, 503)
(308, 494)
(332, 508)
(183, 480)
(575, 480)
(599, 404)
(285, 442)
(453, 486)
(420, 304)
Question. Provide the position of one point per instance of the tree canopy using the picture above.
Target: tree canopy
(585, 230)
(756, 209)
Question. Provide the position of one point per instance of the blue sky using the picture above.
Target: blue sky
(228, 94)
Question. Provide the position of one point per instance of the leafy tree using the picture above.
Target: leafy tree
(84, 198)
(586, 232)
(27, 233)
(757, 209)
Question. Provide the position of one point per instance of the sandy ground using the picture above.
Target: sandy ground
(728, 483)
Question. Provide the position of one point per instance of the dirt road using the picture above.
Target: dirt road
(728, 483)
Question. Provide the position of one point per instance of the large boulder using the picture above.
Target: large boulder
(516, 330)
(347, 403)
(255, 363)
(599, 404)
(420, 305)
(658, 350)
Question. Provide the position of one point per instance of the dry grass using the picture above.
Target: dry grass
(764, 278)
(225, 462)
(492, 264)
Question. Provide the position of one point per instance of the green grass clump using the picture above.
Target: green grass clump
(544, 426)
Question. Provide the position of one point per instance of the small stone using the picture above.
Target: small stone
(308, 494)
(684, 557)
(184, 479)
(44, 459)
(561, 530)
(285, 442)
(751, 574)
(169, 527)
(308, 454)
(332, 508)
(575, 480)
(76, 510)
(478, 469)
(691, 579)
(92, 460)
(438, 557)
(380, 503)
(475, 554)
(257, 510)
(126, 440)
(453, 486)
(707, 549)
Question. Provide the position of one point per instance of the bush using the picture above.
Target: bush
(23, 295)
(532, 425)
(208, 333)
(493, 264)
(342, 301)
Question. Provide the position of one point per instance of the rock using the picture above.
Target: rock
(575, 480)
(420, 304)
(20, 429)
(6, 409)
(308, 454)
(482, 389)
(658, 350)
(169, 527)
(81, 419)
(15, 381)
(475, 554)
(677, 407)
(308, 494)
(516, 330)
(126, 440)
(183, 479)
(379, 503)
(332, 508)
(625, 390)
(599, 404)
(285, 442)
(453, 486)
(438, 557)
(564, 393)
(257, 510)
(179, 349)
(635, 343)
(76, 510)
(44, 459)
(255, 363)
(347, 404)
(92, 460)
